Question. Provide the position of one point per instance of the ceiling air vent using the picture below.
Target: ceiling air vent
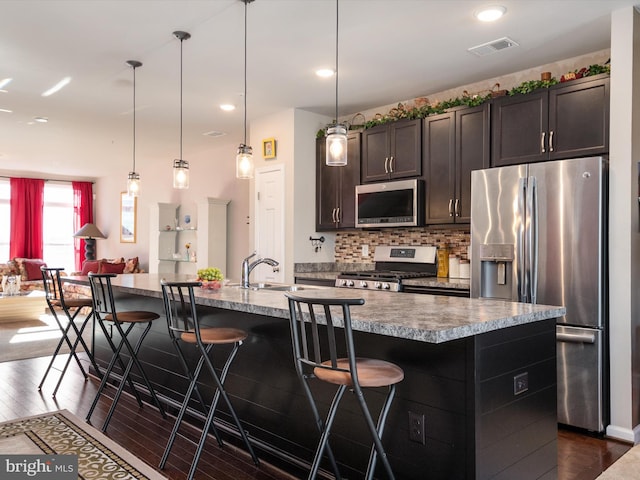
(214, 133)
(493, 46)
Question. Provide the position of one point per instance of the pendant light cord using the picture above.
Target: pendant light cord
(181, 41)
(134, 119)
(244, 141)
(337, 23)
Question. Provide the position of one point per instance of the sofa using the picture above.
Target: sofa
(27, 269)
(31, 277)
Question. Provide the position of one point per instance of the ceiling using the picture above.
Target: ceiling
(390, 50)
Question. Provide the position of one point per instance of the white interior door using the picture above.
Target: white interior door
(269, 222)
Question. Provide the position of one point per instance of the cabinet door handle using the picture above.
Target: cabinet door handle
(333, 215)
(551, 141)
(386, 163)
(542, 135)
(457, 207)
(338, 215)
(391, 164)
(451, 207)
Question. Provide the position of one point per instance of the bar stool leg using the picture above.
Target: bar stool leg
(324, 438)
(377, 449)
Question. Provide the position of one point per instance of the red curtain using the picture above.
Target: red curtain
(82, 213)
(27, 204)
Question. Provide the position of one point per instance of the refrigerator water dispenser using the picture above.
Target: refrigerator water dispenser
(496, 270)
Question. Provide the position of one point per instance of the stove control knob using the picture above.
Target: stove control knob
(363, 284)
(386, 286)
(350, 283)
(378, 285)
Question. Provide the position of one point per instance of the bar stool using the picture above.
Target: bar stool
(71, 308)
(105, 312)
(184, 326)
(352, 372)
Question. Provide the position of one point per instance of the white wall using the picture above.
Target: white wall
(212, 174)
(294, 131)
(624, 251)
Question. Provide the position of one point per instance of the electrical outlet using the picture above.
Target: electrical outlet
(521, 383)
(416, 427)
(365, 250)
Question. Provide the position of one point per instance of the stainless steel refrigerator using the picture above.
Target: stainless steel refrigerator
(538, 235)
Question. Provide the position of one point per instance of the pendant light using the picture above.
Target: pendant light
(337, 132)
(181, 166)
(244, 157)
(133, 179)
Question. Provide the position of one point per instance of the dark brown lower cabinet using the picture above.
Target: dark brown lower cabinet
(476, 425)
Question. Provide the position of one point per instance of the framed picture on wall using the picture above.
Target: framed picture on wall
(128, 214)
(269, 148)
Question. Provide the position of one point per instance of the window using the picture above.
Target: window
(58, 225)
(5, 218)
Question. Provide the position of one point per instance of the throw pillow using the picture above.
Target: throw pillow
(32, 269)
(108, 267)
(131, 265)
(90, 266)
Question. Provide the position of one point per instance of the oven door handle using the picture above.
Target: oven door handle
(576, 337)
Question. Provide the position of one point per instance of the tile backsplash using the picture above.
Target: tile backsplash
(349, 244)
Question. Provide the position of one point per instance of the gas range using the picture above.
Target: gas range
(392, 265)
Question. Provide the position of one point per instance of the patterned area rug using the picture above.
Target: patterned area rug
(63, 433)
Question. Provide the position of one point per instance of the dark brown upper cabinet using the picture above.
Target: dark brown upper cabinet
(336, 187)
(454, 144)
(567, 120)
(392, 151)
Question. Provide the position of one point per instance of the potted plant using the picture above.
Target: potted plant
(211, 277)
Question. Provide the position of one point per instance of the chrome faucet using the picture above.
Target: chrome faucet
(247, 267)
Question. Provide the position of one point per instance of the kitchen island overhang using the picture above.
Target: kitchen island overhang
(464, 361)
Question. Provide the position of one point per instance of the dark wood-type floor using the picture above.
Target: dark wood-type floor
(143, 431)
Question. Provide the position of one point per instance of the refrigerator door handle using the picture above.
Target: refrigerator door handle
(520, 271)
(532, 240)
(576, 338)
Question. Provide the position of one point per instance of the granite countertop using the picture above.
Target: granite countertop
(425, 318)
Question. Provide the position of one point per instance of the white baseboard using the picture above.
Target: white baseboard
(624, 434)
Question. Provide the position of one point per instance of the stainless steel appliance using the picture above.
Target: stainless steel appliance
(538, 235)
(392, 265)
(391, 204)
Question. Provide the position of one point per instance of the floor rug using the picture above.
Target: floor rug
(626, 467)
(33, 338)
(62, 433)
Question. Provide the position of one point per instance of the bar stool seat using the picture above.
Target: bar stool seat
(317, 356)
(184, 326)
(105, 311)
(71, 333)
(371, 372)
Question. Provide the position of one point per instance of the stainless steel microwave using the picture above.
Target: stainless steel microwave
(390, 204)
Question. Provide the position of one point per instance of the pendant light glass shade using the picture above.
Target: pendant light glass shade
(244, 162)
(133, 179)
(336, 145)
(244, 157)
(133, 184)
(336, 133)
(180, 174)
(181, 166)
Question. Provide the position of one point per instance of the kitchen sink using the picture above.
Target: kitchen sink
(276, 287)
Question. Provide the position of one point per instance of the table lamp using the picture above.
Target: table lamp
(89, 232)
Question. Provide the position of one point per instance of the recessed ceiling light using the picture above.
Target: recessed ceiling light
(5, 110)
(4, 82)
(40, 119)
(491, 13)
(325, 72)
(227, 107)
(57, 87)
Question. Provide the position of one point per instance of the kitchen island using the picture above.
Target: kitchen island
(481, 374)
